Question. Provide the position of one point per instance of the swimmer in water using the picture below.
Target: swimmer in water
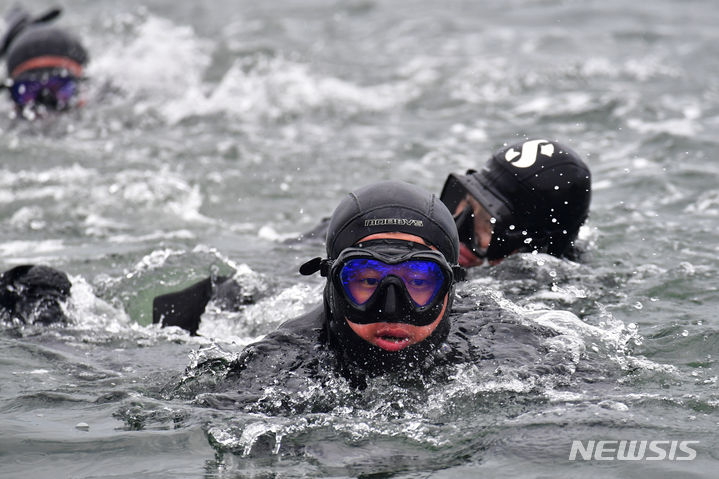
(45, 64)
(391, 267)
(33, 294)
(387, 310)
(530, 196)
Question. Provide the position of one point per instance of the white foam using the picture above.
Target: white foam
(93, 313)
(274, 87)
(13, 249)
(157, 58)
(267, 232)
(254, 320)
(707, 203)
(688, 127)
(610, 338)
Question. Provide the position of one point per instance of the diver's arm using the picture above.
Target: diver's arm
(184, 308)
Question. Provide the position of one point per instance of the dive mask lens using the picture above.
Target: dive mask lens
(63, 88)
(466, 231)
(423, 279)
(453, 192)
(25, 91)
(56, 90)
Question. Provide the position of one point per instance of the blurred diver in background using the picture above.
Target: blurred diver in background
(530, 196)
(45, 64)
(33, 294)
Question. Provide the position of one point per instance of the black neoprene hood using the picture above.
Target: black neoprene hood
(44, 40)
(539, 186)
(392, 206)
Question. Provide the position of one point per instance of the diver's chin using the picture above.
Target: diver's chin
(393, 337)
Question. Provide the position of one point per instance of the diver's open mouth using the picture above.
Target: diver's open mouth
(392, 339)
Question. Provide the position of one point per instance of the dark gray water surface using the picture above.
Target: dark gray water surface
(213, 130)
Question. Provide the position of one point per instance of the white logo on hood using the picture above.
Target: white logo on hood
(528, 156)
(393, 221)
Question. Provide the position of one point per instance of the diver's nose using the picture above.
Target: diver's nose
(47, 98)
(390, 301)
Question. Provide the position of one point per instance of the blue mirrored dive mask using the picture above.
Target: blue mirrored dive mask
(422, 279)
(55, 91)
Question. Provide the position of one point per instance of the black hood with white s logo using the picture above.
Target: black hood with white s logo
(538, 191)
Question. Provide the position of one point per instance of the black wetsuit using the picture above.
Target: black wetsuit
(298, 361)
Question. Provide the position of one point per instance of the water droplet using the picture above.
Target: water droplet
(556, 187)
(528, 240)
(638, 305)
(553, 274)
(511, 227)
(493, 220)
(685, 333)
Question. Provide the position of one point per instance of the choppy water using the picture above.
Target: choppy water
(215, 129)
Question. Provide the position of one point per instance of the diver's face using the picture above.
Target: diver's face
(395, 336)
(482, 232)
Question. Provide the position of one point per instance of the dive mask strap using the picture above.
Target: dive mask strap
(316, 264)
(458, 273)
